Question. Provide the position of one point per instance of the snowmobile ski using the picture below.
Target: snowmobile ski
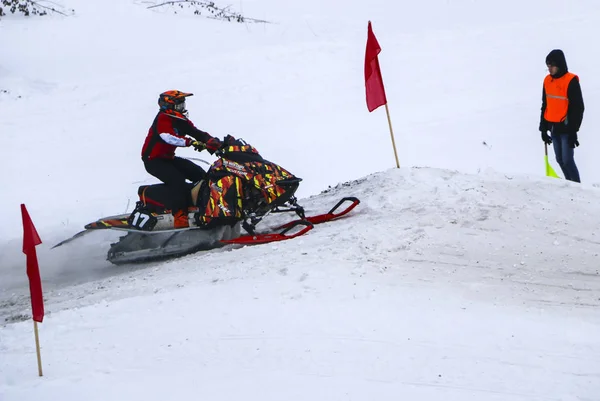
(272, 237)
(329, 216)
(308, 222)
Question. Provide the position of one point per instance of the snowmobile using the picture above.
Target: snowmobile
(240, 189)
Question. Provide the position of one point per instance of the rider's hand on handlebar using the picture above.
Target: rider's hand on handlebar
(199, 146)
(212, 145)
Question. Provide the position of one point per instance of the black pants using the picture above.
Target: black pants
(174, 172)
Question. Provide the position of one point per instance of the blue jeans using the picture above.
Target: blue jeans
(565, 156)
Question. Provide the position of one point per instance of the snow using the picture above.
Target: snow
(464, 275)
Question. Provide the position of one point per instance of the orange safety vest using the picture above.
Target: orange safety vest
(557, 102)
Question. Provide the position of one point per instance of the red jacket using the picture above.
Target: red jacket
(167, 133)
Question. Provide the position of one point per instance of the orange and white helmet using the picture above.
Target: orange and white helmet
(173, 102)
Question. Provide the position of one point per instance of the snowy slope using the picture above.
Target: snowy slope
(440, 286)
(464, 275)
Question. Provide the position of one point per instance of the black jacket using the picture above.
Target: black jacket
(576, 107)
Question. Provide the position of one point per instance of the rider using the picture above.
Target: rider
(170, 130)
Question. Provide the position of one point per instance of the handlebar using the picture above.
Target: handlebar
(200, 146)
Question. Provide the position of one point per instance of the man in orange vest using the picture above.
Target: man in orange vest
(562, 112)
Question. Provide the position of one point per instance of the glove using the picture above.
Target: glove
(573, 142)
(189, 142)
(546, 138)
(212, 145)
(199, 146)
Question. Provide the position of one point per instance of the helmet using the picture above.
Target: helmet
(173, 102)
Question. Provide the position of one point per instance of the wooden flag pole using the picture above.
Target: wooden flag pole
(392, 135)
(37, 348)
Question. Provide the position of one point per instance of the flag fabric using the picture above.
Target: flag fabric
(30, 240)
(549, 170)
(373, 81)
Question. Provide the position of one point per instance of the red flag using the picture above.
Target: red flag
(30, 240)
(373, 81)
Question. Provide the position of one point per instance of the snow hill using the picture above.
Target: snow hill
(440, 286)
(464, 275)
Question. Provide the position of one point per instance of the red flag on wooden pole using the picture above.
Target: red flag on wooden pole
(30, 240)
(374, 83)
